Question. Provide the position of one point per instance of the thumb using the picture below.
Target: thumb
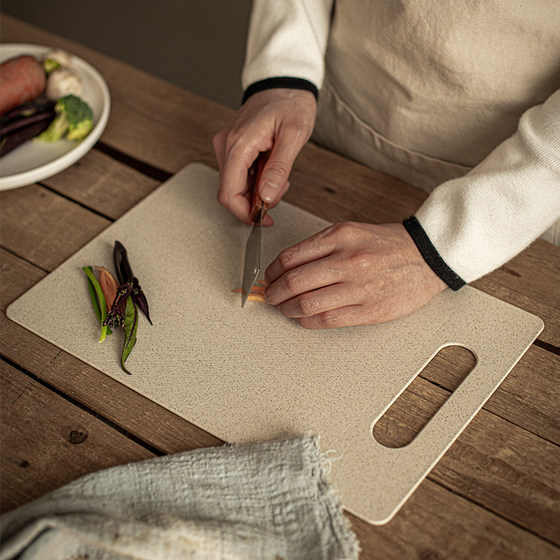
(274, 178)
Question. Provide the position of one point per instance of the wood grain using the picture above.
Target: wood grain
(436, 525)
(101, 183)
(44, 228)
(46, 441)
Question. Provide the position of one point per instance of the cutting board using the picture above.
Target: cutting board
(251, 374)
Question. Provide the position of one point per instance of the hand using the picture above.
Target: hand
(279, 120)
(351, 274)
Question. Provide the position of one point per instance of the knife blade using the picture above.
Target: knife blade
(252, 262)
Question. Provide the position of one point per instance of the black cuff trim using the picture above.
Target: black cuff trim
(431, 255)
(280, 82)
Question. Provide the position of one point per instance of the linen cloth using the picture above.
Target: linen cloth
(266, 500)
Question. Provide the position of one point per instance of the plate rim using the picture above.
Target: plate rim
(60, 163)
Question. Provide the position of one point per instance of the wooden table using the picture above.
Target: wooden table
(496, 492)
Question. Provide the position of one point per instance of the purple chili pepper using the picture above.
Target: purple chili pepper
(125, 276)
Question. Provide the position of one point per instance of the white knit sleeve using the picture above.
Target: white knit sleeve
(481, 220)
(287, 38)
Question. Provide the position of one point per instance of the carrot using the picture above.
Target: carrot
(22, 79)
(256, 293)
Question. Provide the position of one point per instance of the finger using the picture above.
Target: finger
(300, 280)
(233, 182)
(274, 178)
(317, 301)
(316, 247)
(267, 220)
(219, 149)
(348, 316)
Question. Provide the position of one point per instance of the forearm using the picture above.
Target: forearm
(287, 38)
(478, 222)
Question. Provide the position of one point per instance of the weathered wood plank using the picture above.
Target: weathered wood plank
(47, 442)
(434, 525)
(507, 470)
(44, 228)
(99, 182)
(530, 281)
(16, 277)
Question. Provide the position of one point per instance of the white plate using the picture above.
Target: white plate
(34, 161)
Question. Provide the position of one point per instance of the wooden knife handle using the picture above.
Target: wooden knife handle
(254, 176)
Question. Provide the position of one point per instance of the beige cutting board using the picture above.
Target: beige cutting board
(252, 374)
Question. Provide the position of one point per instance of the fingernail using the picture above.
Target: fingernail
(269, 191)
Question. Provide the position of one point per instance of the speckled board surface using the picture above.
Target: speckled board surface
(251, 374)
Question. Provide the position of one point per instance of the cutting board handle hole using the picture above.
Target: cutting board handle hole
(424, 396)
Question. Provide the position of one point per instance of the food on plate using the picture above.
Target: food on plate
(22, 79)
(55, 59)
(73, 120)
(62, 82)
(116, 304)
(41, 100)
(24, 122)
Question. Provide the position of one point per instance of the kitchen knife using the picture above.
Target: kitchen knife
(252, 263)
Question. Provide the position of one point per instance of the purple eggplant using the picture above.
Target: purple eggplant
(23, 123)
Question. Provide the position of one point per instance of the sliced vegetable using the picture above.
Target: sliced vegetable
(256, 293)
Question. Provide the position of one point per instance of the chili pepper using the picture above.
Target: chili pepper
(125, 276)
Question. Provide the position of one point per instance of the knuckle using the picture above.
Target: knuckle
(308, 306)
(362, 261)
(223, 198)
(286, 258)
(278, 168)
(328, 320)
(294, 128)
(292, 281)
(344, 230)
(325, 320)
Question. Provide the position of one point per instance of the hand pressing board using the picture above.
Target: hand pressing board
(251, 374)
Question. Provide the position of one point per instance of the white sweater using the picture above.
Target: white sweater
(476, 222)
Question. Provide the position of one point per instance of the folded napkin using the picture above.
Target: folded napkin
(264, 501)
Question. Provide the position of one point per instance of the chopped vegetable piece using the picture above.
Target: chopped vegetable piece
(256, 293)
(74, 120)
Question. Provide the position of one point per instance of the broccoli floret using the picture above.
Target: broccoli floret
(50, 64)
(74, 119)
